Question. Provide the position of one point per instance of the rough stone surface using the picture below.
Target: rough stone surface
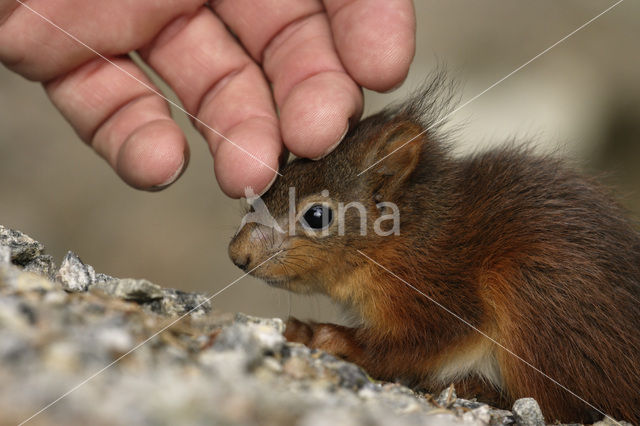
(5, 255)
(527, 412)
(42, 265)
(130, 289)
(22, 247)
(130, 352)
(74, 275)
(608, 421)
(176, 302)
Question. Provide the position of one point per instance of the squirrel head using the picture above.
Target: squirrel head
(304, 232)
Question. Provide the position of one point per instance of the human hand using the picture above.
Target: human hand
(306, 57)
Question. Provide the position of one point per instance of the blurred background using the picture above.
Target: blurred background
(581, 99)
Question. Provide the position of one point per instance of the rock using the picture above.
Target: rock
(527, 412)
(22, 247)
(176, 302)
(501, 418)
(253, 340)
(140, 291)
(12, 277)
(275, 323)
(42, 265)
(351, 376)
(74, 275)
(298, 368)
(481, 415)
(5, 255)
(115, 339)
(608, 421)
(103, 278)
(447, 397)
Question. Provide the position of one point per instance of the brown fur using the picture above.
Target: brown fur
(537, 257)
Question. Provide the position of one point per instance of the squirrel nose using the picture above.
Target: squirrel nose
(240, 252)
(242, 261)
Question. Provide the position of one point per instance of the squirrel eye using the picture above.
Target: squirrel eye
(318, 216)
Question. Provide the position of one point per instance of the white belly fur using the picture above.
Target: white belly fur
(478, 360)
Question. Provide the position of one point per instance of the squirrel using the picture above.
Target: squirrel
(505, 273)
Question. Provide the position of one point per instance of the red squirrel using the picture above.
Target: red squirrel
(472, 266)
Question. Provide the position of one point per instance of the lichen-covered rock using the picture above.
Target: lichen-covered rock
(176, 302)
(608, 421)
(527, 412)
(22, 248)
(129, 289)
(5, 255)
(74, 275)
(42, 265)
(273, 323)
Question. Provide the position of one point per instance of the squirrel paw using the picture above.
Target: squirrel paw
(331, 338)
(298, 332)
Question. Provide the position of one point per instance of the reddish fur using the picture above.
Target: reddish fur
(522, 248)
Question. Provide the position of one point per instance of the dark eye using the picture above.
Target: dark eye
(318, 216)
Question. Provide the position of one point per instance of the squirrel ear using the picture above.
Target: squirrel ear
(399, 154)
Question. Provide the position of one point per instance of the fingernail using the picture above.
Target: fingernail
(171, 179)
(268, 185)
(332, 147)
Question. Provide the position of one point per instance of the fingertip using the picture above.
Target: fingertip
(383, 72)
(153, 156)
(316, 114)
(334, 145)
(377, 43)
(175, 175)
(251, 160)
(269, 184)
(238, 175)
